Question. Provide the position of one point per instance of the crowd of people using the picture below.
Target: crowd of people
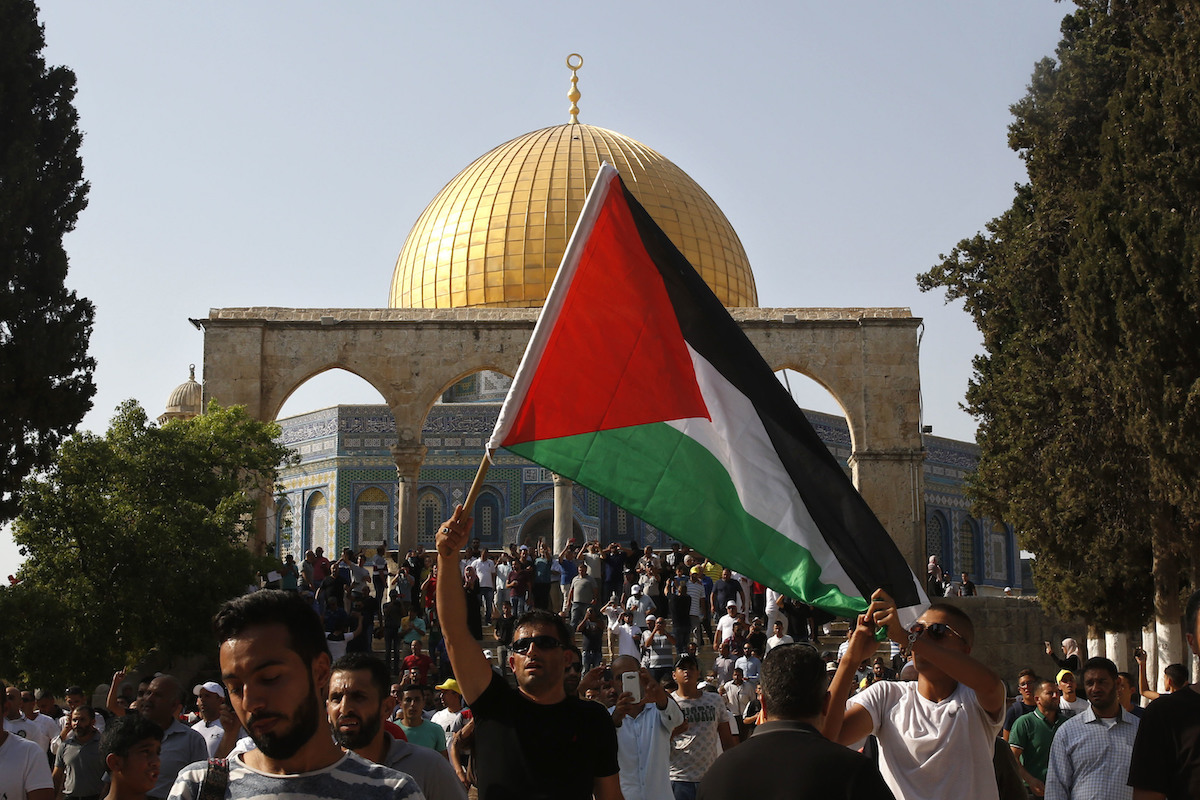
(607, 672)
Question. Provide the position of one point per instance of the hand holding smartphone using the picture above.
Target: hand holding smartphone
(632, 682)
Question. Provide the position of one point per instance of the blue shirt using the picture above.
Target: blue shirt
(1090, 760)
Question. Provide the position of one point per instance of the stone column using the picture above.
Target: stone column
(892, 483)
(564, 511)
(408, 458)
(1095, 646)
(1117, 645)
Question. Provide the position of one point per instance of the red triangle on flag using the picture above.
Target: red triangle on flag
(616, 356)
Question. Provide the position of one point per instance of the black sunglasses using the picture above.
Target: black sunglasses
(542, 640)
(935, 631)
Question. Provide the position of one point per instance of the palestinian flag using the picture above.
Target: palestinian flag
(639, 385)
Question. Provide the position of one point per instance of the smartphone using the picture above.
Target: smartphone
(632, 682)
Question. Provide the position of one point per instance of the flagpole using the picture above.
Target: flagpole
(476, 485)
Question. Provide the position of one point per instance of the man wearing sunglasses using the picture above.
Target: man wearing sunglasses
(535, 741)
(937, 735)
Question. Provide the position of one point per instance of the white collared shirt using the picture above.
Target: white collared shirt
(644, 751)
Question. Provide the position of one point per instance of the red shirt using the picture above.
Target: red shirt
(420, 663)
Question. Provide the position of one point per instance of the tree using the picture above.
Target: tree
(133, 540)
(1087, 292)
(45, 373)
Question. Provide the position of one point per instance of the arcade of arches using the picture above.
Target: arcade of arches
(257, 357)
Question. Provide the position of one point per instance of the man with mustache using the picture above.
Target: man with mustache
(357, 705)
(276, 667)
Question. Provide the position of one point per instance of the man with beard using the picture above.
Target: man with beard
(1090, 754)
(357, 704)
(180, 744)
(79, 766)
(534, 741)
(276, 666)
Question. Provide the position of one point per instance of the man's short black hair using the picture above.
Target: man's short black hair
(274, 607)
(962, 622)
(1191, 611)
(407, 687)
(539, 617)
(1100, 663)
(124, 732)
(1178, 675)
(1026, 672)
(792, 681)
(353, 662)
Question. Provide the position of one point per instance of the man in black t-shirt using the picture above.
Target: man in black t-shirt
(1166, 752)
(787, 757)
(533, 742)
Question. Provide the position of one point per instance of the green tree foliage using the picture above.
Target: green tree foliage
(1086, 291)
(133, 540)
(45, 372)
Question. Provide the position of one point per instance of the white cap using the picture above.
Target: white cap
(211, 686)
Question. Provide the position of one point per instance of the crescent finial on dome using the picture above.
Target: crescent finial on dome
(574, 62)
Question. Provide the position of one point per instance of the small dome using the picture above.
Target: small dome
(495, 235)
(186, 401)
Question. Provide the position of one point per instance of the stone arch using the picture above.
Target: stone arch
(288, 385)
(867, 357)
(817, 379)
(541, 524)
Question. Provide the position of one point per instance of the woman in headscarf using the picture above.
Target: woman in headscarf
(1070, 659)
(933, 578)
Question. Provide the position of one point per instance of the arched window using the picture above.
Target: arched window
(430, 513)
(998, 544)
(371, 529)
(316, 523)
(285, 529)
(487, 517)
(934, 530)
(966, 548)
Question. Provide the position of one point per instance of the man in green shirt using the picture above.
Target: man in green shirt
(1032, 734)
(419, 730)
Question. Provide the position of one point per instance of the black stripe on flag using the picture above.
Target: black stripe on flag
(861, 544)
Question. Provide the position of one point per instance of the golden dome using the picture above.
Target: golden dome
(186, 401)
(494, 236)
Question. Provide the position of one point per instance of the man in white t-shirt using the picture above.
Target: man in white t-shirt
(708, 733)
(727, 624)
(210, 696)
(777, 637)
(24, 771)
(44, 729)
(937, 735)
(639, 605)
(773, 611)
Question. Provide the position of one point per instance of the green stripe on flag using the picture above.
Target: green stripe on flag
(678, 486)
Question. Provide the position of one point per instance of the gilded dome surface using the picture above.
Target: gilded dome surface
(494, 236)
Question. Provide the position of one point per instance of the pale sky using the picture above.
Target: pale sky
(277, 153)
